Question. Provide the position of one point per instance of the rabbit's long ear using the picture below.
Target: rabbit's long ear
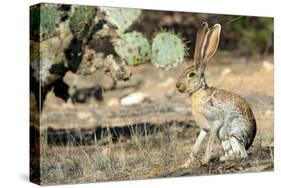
(211, 42)
(200, 37)
(209, 47)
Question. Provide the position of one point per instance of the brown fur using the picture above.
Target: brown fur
(243, 107)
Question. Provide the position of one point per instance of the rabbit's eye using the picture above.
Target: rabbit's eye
(191, 75)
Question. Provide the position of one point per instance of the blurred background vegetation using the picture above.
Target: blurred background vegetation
(242, 35)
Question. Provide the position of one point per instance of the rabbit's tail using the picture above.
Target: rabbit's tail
(251, 133)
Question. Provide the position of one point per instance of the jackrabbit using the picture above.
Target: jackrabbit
(218, 112)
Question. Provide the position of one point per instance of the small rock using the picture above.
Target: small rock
(134, 98)
(113, 102)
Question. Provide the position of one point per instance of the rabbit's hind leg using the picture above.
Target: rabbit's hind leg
(233, 149)
(228, 153)
(239, 150)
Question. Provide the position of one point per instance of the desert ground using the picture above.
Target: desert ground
(99, 137)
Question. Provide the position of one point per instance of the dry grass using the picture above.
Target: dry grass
(155, 154)
(128, 159)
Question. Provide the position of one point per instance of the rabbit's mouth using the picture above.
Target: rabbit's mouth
(181, 88)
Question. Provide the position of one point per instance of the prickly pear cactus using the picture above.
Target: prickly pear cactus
(168, 50)
(82, 21)
(122, 18)
(44, 20)
(133, 48)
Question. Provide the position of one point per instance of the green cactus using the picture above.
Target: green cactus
(133, 48)
(82, 21)
(44, 19)
(122, 18)
(168, 50)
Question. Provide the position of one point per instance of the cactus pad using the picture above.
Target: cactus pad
(122, 18)
(82, 21)
(133, 48)
(44, 19)
(168, 50)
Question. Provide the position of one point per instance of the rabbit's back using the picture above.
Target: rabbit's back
(239, 120)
